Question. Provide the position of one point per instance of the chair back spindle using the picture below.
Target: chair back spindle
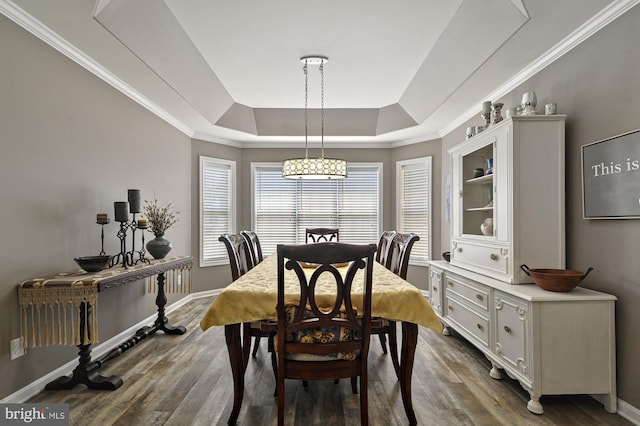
(399, 253)
(254, 246)
(383, 246)
(322, 235)
(240, 258)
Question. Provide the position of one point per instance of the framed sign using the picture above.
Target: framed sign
(611, 178)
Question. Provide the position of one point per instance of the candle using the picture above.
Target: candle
(102, 218)
(121, 209)
(143, 223)
(486, 106)
(134, 200)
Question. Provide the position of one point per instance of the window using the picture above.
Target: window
(413, 203)
(217, 208)
(283, 209)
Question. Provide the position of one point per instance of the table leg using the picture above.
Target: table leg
(161, 322)
(409, 342)
(86, 372)
(236, 358)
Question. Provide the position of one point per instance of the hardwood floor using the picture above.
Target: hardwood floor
(185, 380)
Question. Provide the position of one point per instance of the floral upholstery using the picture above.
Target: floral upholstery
(319, 335)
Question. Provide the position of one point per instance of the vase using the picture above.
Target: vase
(159, 247)
(486, 227)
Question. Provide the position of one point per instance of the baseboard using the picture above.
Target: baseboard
(625, 410)
(629, 412)
(97, 351)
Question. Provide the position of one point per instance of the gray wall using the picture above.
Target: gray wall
(71, 145)
(598, 86)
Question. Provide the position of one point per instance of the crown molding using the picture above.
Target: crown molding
(586, 30)
(38, 29)
(44, 33)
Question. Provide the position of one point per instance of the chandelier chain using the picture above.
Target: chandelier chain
(316, 167)
(322, 108)
(306, 101)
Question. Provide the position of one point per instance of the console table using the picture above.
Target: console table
(62, 309)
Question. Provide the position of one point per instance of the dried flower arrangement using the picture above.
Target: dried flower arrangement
(160, 218)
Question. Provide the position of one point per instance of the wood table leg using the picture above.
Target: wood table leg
(236, 359)
(161, 322)
(409, 342)
(86, 372)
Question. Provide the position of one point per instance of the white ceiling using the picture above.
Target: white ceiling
(398, 72)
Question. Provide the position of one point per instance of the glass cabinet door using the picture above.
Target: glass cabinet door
(477, 207)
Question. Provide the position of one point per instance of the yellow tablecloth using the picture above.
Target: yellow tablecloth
(253, 297)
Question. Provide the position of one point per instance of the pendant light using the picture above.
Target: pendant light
(314, 167)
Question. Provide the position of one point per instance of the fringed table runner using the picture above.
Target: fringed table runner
(52, 308)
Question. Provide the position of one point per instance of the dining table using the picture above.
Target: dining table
(253, 297)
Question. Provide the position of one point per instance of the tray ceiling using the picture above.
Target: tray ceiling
(398, 72)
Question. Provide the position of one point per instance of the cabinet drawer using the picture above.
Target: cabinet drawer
(471, 292)
(476, 326)
(467, 254)
(511, 332)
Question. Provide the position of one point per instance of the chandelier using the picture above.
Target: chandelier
(314, 167)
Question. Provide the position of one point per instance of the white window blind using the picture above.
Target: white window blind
(413, 201)
(217, 208)
(283, 208)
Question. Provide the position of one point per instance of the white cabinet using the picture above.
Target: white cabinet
(552, 343)
(435, 289)
(467, 306)
(511, 327)
(522, 195)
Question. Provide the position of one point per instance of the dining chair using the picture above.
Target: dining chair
(383, 246)
(381, 257)
(254, 246)
(317, 342)
(241, 261)
(319, 235)
(398, 255)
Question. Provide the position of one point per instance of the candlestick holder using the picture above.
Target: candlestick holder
(129, 257)
(135, 225)
(123, 256)
(102, 223)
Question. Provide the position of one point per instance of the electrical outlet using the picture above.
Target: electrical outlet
(16, 350)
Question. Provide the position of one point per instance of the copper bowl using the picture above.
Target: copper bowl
(560, 280)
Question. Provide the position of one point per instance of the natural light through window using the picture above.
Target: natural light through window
(282, 209)
(413, 201)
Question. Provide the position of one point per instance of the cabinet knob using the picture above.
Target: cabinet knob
(507, 329)
(459, 249)
(480, 326)
(450, 307)
(494, 257)
(479, 296)
(435, 288)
